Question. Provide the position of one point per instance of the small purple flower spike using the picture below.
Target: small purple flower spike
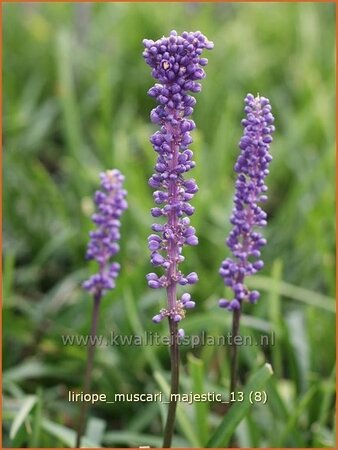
(177, 66)
(103, 245)
(252, 167)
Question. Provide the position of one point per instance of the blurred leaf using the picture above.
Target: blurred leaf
(31, 369)
(329, 388)
(37, 421)
(204, 321)
(67, 94)
(138, 328)
(22, 415)
(65, 435)
(141, 421)
(8, 277)
(280, 410)
(136, 439)
(197, 374)
(221, 437)
(323, 437)
(296, 414)
(306, 296)
(95, 430)
(275, 315)
(298, 339)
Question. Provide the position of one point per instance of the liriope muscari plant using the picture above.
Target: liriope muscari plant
(244, 241)
(177, 65)
(103, 245)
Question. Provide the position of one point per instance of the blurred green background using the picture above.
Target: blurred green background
(75, 103)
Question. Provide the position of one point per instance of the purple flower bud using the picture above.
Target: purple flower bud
(258, 265)
(185, 298)
(152, 276)
(183, 281)
(191, 186)
(154, 284)
(234, 304)
(157, 227)
(181, 333)
(156, 212)
(253, 296)
(191, 240)
(190, 305)
(153, 245)
(189, 231)
(157, 318)
(157, 259)
(223, 303)
(192, 278)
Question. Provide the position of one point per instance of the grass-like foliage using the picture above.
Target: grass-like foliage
(75, 104)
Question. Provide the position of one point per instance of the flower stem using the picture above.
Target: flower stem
(89, 368)
(174, 359)
(234, 353)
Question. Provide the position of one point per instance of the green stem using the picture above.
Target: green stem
(89, 369)
(234, 353)
(174, 358)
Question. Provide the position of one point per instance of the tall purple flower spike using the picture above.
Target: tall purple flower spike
(252, 167)
(177, 65)
(103, 245)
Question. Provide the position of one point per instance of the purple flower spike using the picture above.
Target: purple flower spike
(178, 67)
(252, 167)
(103, 245)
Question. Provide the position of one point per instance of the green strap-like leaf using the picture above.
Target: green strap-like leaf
(66, 435)
(239, 410)
(25, 409)
(196, 371)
